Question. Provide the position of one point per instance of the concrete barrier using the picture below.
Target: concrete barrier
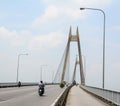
(61, 100)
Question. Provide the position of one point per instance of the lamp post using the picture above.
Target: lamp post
(41, 71)
(103, 40)
(52, 76)
(18, 66)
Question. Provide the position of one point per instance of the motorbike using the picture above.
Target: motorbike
(41, 91)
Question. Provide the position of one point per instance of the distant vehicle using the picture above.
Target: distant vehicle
(41, 88)
(41, 91)
(19, 84)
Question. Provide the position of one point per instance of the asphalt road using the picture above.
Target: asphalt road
(79, 97)
(28, 96)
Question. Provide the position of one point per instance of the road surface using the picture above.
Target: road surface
(28, 96)
(78, 97)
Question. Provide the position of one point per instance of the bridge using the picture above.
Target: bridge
(71, 94)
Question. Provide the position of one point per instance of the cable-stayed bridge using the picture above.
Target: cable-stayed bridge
(70, 95)
(63, 69)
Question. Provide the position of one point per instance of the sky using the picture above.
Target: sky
(41, 28)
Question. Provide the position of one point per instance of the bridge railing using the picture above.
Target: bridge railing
(108, 95)
(13, 84)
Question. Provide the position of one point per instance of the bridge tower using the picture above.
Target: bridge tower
(74, 73)
(74, 38)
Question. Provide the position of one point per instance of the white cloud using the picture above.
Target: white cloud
(58, 13)
(4, 33)
(66, 10)
(94, 3)
(26, 39)
(14, 38)
(50, 40)
(73, 3)
(50, 13)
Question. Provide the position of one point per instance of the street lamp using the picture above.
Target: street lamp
(103, 39)
(52, 76)
(18, 66)
(41, 71)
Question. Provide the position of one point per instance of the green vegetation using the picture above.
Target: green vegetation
(62, 84)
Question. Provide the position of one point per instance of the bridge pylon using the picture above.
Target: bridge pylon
(74, 73)
(74, 38)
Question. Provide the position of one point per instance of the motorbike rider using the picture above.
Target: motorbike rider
(19, 84)
(41, 85)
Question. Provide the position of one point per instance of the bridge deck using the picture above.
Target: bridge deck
(78, 97)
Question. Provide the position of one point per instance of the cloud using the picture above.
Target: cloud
(14, 38)
(58, 13)
(94, 3)
(50, 13)
(50, 40)
(73, 3)
(27, 39)
(66, 10)
(4, 33)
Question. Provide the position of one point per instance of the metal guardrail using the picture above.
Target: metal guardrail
(112, 97)
(61, 101)
(14, 84)
(4, 85)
